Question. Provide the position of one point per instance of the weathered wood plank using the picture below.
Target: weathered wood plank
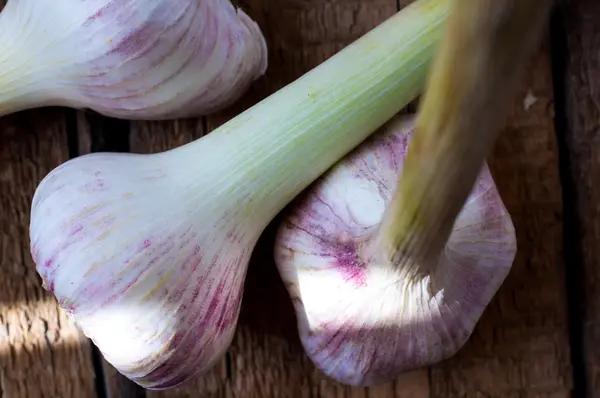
(579, 60)
(42, 354)
(520, 347)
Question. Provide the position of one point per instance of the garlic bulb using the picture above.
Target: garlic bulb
(147, 263)
(148, 253)
(134, 59)
(363, 319)
(393, 255)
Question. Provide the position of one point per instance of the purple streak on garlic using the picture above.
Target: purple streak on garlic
(139, 270)
(362, 321)
(134, 59)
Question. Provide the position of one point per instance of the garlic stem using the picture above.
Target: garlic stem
(485, 46)
(290, 138)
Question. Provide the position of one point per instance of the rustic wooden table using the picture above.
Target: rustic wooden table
(540, 336)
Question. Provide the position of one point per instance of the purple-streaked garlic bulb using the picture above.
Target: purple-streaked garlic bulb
(363, 320)
(152, 276)
(133, 59)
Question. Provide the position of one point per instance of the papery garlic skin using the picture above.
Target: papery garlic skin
(362, 321)
(152, 278)
(131, 59)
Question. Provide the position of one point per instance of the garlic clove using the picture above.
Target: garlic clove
(131, 59)
(362, 320)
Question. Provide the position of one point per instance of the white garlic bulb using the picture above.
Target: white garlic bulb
(152, 277)
(133, 59)
(363, 321)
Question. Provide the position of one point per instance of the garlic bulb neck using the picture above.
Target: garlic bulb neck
(363, 318)
(148, 253)
(133, 59)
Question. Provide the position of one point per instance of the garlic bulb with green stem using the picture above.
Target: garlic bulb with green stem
(148, 253)
(132, 59)
(392, 257)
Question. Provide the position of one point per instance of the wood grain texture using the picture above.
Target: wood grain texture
(520, 347)
(42, 354)
(581, 63)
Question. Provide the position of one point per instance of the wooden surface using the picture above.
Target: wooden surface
(539, 337)
(580, 120)
(41, 353)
